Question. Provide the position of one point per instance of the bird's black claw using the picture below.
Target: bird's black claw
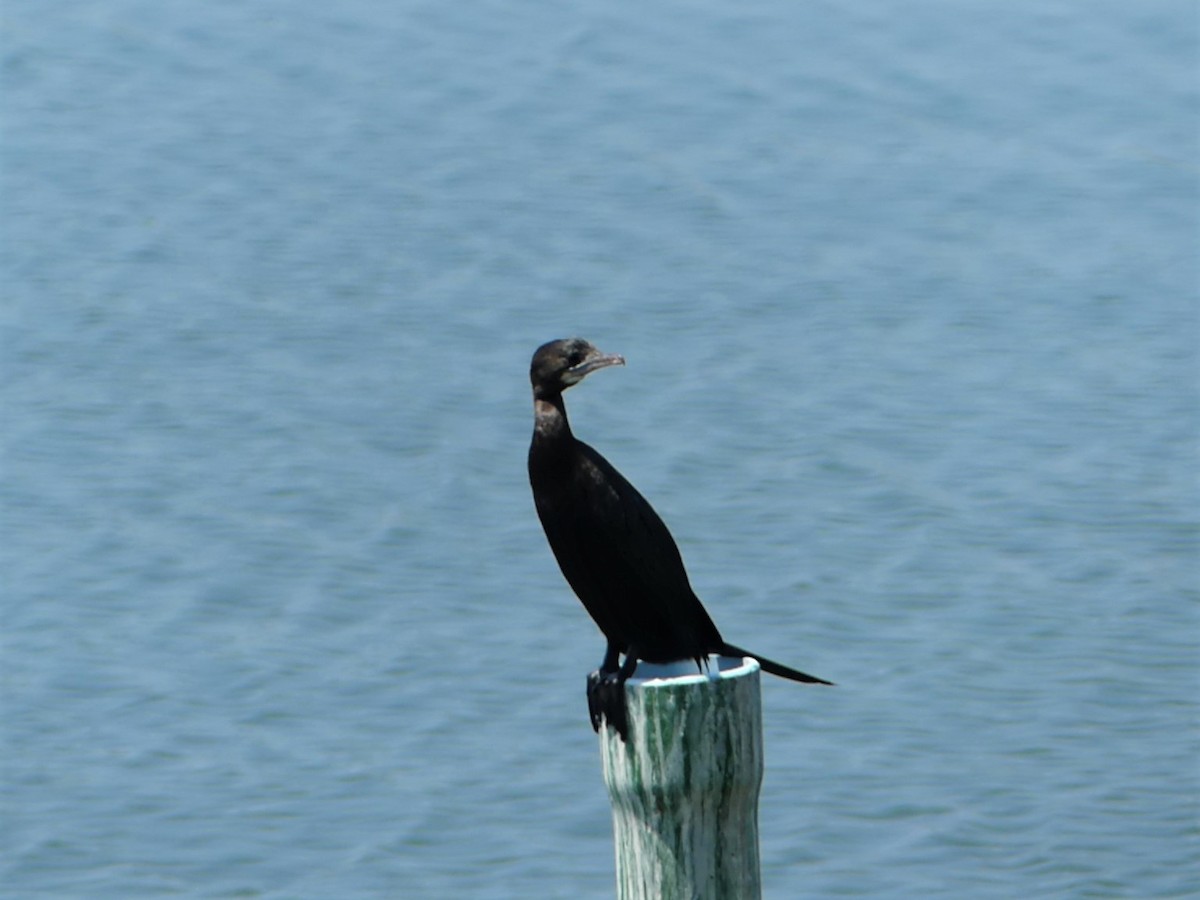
(594, 708)
(606, 702)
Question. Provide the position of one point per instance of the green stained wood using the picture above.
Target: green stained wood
(684, 788)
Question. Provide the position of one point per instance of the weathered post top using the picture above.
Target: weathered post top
(685, 786)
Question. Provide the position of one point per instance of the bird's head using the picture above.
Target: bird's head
(559, 364)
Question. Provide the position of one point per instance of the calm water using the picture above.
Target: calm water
(909, 300)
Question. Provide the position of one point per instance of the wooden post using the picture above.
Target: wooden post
(684, 788)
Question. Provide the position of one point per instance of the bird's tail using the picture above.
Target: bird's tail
(774, 668)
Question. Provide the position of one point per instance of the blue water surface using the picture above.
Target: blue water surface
(909, 297)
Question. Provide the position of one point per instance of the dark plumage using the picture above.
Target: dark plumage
(614, 550)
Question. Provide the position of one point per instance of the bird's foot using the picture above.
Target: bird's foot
(606, 702)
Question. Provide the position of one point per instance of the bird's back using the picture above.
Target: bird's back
(619, 557)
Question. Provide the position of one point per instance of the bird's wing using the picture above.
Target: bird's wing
(640, 558)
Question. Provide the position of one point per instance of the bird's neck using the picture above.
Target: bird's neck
(550, 423)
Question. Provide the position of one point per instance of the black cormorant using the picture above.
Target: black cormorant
(614, 550)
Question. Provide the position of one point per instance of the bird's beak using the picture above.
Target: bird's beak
(592, 363)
